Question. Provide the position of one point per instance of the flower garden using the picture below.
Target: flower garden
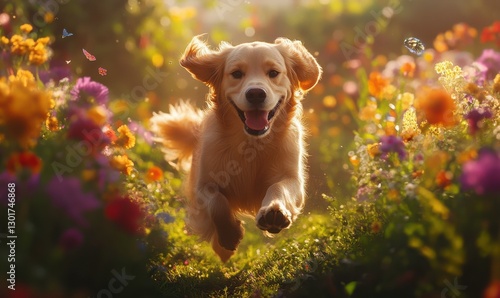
(404, 157)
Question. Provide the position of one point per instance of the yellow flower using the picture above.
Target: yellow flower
(368, 112)
(97, 114)
(407, 100)
(496, 84)
(38, 54)
(17, 45)
(52, 123)
(21, 46)
(122, 163)
(410, 127)
(393, 195)
(354, 160)
(373, 149)
(126, 139)
(25, 77)
(26, 28)
(451, 77)
(23, 109)
(329, 101)
(43, 41)
(88, 174)
(48, 17)
(388, 92)
(390, 128)
(4, 40)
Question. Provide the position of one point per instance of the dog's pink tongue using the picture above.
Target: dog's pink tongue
(256, 119)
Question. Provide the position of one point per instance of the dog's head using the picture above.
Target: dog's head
(258, 81)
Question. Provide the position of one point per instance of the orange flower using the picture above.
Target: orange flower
(154, 173)
(460, 36)
(24, 160)
(443, 178)
(376, 83)
(408, 69)
(437, 107)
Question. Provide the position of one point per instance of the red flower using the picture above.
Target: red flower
(24, 160)
(126, 214)
(154, 173)
(493, 290)
(491, 33)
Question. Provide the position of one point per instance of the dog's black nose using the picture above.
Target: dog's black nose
(255, 95)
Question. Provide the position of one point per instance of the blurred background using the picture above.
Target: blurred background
(132, 39)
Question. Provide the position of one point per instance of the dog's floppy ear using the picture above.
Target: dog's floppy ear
(305, 69)
(202, 62)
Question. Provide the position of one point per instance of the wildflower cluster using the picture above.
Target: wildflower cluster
(428, 155)
(76, 178)
(25, 47)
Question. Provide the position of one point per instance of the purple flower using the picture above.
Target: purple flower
(106, 174)
(71, 238)
(85, 88)
(392, 144)
(91, 135)
(165, 217)
(483, 174)
(141, 131)
(55, 73)
(363, 194)
(475, 118)
(491, 60)
(67, 194)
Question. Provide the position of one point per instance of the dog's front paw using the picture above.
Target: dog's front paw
(273, 219)
(230, 235)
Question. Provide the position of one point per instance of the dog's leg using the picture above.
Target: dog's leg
(226, 230)
(228, 227)
(281, 205)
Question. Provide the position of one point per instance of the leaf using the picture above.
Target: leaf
(350, 287)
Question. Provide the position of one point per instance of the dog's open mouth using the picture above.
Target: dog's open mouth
(256, 122)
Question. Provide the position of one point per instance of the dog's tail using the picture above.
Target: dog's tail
(178, 131)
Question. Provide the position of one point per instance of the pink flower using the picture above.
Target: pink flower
(483, 174)
(475, 118)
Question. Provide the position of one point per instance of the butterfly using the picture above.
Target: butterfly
(88, 55)
(102, 71)
(66, 33)
(68, 61)
(414, 45)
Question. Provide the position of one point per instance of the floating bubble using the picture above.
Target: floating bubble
(414, 45)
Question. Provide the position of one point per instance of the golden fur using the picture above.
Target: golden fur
(238, 162)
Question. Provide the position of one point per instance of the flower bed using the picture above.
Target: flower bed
(94, 203)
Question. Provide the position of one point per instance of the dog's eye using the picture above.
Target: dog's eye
(237, 74)
(273, 74)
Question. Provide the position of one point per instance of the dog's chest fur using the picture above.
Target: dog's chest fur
(245, 167)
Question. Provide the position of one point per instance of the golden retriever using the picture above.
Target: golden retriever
(245, 151)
